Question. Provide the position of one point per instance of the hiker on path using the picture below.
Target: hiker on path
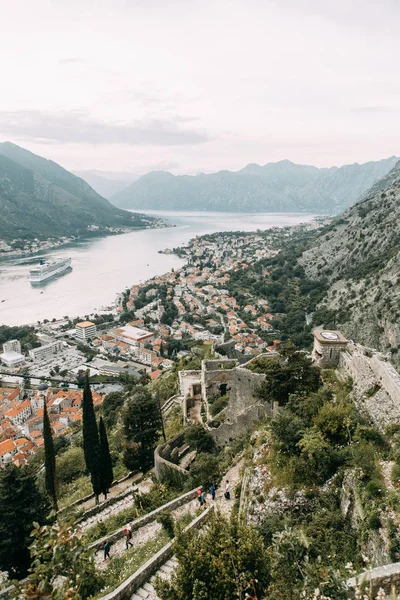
(212, 491)
(228, 490)
(202, 499)
(107, 547)
(199, 495)
(128, 536)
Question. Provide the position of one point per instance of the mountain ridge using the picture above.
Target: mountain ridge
(104, 184)
(358, 256)
(39, 198)
(281, 186)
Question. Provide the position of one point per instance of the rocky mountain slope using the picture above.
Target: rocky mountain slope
(358, 255)
(282, 186)
(38, 198)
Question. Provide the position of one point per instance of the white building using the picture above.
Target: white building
(131, 335)
(12, 359)
(85, 331)
(46, 352)
(20, 413)
(12, 346)
(11, 356)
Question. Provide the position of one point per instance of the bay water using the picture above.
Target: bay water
(103, 267)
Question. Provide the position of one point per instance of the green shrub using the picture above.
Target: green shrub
(198, 438)
(374, 520)
(166, 520)
(369, 434)
(204, 470)
(394, 541)
(336, 422)
(395, 475)
(364, 458)
(287, 431)
(70, 465)
(373, 489)
(218, 404)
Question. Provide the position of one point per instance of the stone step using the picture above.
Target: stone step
(161, 574)
(148, 587)
(142, 593)
(165, 569)
(171, 563)
(136, 597)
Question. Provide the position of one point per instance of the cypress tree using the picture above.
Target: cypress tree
(49, 459)
(106, 462)
(21, 504)
(91, 444)
(142, 424)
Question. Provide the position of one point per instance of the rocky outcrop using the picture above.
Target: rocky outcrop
(358, 256)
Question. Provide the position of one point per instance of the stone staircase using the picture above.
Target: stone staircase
(147, 591)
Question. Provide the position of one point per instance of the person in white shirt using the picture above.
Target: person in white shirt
(228, 490)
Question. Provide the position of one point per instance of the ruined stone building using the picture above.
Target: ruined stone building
(219, 378)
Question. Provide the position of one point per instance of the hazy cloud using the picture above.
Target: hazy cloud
(79, 128)
(313, 81)
(73, 60)
(372, 109)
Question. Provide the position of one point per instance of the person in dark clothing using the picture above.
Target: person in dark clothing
(107, 547)
(212, 491)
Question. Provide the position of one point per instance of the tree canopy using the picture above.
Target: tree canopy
(21, 504)
(91, 443)
(49, 459)
(291, 372)
(142, 425)
(221, 562)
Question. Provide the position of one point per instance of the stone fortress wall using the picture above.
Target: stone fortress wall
(216, 377)
(376, 383)
(221, 377)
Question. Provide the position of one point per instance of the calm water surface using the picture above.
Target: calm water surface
(106, 266)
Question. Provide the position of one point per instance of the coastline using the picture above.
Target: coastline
(71, 241)
(98, 276)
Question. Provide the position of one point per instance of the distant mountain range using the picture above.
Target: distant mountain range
(107, 183)
(274, 187)
(38, 198)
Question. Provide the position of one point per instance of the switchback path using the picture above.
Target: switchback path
(143, 487)
(147, 591)
(143, 535)
(114, 491)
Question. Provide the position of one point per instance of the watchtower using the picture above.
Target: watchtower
(328, 345)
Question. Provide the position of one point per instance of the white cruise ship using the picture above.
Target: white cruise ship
(47, 269)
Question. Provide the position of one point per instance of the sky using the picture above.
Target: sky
(199, 85)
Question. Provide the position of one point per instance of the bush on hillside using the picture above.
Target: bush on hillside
(70, 465)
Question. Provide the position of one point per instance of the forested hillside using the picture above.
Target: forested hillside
(38, 198)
